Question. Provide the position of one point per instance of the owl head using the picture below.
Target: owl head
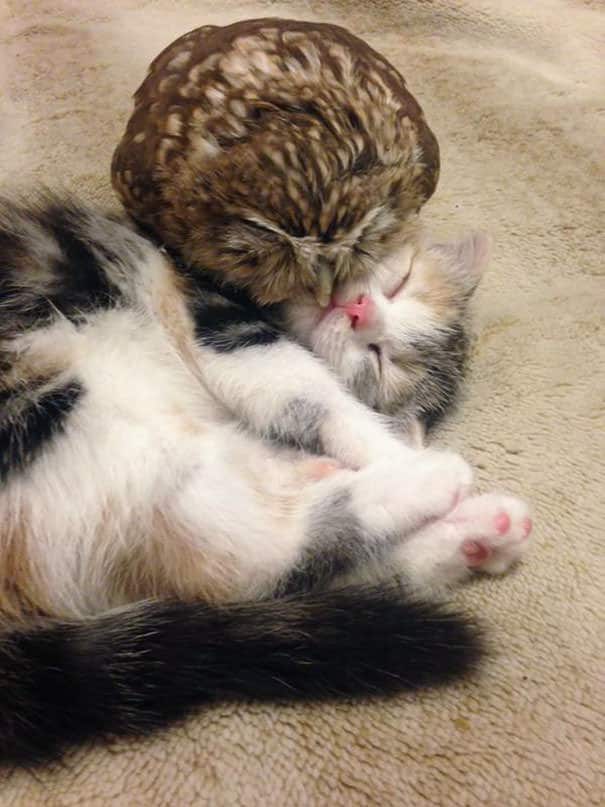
(285, 157)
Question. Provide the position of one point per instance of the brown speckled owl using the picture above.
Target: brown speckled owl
(284, 155)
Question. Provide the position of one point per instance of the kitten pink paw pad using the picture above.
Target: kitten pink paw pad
(476, 553)
(502, 523)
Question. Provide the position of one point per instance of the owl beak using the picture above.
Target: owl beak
(323, 289)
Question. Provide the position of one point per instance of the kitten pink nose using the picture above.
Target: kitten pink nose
(361, 312)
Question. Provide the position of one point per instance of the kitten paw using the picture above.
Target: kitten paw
(404, 494)
(493, 530)
(443, 480)
(481, 534)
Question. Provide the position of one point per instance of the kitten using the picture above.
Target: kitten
(193, 507)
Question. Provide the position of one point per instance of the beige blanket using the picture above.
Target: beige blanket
(515, 91)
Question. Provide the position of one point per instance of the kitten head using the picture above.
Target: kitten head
(397, 338)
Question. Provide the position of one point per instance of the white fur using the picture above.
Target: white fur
(258, 388)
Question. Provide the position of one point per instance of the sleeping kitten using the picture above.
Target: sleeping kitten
(190, 501)
(397, 338)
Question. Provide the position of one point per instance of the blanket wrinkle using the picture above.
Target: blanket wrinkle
(515, 93)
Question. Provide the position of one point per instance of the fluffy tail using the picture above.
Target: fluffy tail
(144, 666)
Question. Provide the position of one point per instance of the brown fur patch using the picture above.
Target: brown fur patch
(171, 563)
(27, 369)
(21, 594)
(169, 303)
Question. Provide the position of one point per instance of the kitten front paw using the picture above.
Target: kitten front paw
(442, 480)
(404, 494)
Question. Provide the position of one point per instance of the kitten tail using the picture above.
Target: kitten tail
(142, 667)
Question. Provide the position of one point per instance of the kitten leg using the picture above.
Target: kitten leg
(355, 518)
(286, 394)
(485, 533)
(297, 524)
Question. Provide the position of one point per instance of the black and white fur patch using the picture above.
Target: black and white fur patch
(29, 423)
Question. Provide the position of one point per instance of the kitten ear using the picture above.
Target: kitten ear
(467, 259)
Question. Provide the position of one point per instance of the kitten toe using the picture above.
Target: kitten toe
(475, 553)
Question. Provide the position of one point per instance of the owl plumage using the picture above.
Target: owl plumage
(285, 156)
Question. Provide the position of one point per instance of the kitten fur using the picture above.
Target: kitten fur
(285, 155)
(193, 507)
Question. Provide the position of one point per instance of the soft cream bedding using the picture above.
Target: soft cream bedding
(515, 91)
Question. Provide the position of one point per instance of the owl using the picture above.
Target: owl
(283, 156)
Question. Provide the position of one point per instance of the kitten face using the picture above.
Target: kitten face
(396, 337)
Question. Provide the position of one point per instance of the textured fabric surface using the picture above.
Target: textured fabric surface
(515, 92)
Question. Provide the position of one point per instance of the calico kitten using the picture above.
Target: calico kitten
(193, 507)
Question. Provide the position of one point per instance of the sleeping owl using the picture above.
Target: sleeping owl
(286, 156)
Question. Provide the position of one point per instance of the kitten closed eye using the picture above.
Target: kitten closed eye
(400, 286)
(377, 352)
